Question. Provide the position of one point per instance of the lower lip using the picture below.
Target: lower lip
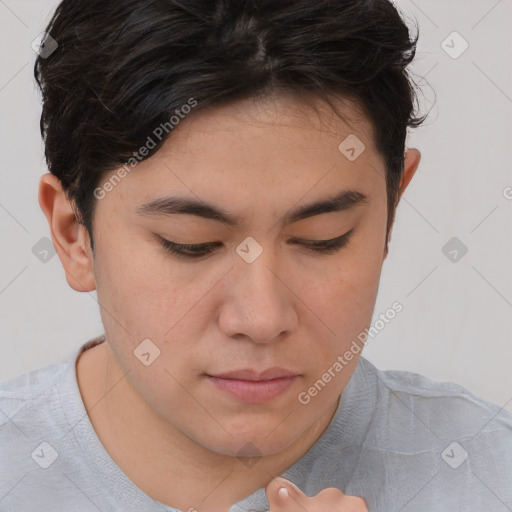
(253, 392)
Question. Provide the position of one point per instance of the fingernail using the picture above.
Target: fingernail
(283, 492)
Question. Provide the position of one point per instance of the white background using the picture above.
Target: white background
(456, 324)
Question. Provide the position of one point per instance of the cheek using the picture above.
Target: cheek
(359, 275)
(136, 284)
(358, 292)
(345, 304)
(346, 307)
(347, 295)
(144, 298)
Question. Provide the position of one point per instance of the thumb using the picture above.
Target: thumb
(283, 494)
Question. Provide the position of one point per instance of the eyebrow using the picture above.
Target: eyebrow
(344, 200)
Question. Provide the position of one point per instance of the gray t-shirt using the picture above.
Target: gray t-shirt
(398, 439)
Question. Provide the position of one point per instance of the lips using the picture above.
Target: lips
(253, 387)
(254, 375)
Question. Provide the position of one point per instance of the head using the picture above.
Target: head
(287, 122)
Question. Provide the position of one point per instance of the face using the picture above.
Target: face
(263, 297)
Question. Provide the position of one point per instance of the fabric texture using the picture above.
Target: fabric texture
(398, 439)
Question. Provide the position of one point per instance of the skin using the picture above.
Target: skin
(292, 308)
(294, 500)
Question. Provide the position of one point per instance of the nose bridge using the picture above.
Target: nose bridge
(258, 293)
(258, 271)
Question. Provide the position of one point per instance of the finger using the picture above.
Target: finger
(283, 495)
(333, 498)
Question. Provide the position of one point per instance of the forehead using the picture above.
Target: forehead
(256, 152)
(279, 118)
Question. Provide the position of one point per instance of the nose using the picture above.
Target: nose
(259, 303)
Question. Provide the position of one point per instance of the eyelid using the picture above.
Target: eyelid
(322, 246)
(302, 240)
(331, 240)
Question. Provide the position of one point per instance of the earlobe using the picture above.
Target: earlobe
(69, 238)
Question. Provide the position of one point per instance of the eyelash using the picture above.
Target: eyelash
(319, 246)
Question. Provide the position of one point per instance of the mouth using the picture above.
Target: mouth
(250, 386)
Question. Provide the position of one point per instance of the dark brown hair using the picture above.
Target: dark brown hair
(122, 68)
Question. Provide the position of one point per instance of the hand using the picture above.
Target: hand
(327, 500)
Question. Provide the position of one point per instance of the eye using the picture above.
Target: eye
(192, 251)
(328, 246)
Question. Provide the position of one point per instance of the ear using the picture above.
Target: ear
(70, 239)
(412, 159)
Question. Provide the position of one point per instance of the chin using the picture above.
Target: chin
(248, 445)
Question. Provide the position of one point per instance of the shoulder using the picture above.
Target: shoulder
(446, 409)
(45, 435)
(419, 433)
(30, 415)
(32, 401)
(33, 390)
(28, 390)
